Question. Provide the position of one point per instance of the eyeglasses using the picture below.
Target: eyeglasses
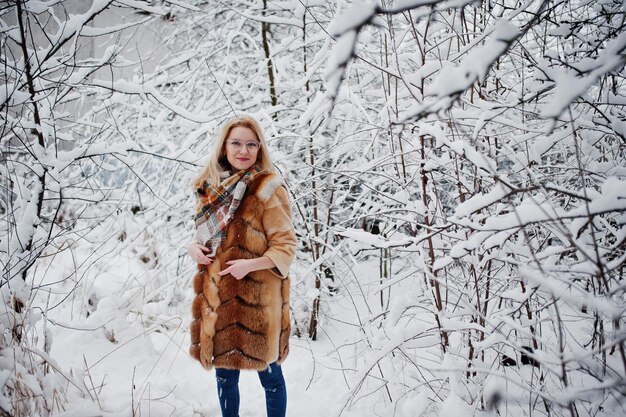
(236, 145)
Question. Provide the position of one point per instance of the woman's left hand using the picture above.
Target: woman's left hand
(238, 268)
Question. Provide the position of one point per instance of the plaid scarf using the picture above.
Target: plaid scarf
(217, 206)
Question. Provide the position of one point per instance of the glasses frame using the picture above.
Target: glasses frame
(243, 144)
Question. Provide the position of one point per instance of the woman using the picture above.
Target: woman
(245, 245)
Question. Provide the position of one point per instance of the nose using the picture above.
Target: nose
(244, 149)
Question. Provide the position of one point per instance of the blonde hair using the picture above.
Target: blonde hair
(211, 171)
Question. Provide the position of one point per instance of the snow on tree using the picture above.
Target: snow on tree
(67, 167)
(456, 172)
(509, 116)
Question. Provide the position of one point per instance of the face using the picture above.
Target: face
(242, 147)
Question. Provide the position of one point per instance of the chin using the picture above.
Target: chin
(239, 167)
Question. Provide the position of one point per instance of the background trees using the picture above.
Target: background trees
(497, 103)
(72, 165)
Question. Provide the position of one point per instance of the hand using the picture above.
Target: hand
(197, 253)
(238, 268)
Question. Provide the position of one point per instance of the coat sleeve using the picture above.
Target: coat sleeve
(279, 232)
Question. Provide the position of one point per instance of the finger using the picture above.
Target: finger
(198, 254)
(200, 258)
(204, 248)
(224, 272)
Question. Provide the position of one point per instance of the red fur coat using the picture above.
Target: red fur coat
(245, 324)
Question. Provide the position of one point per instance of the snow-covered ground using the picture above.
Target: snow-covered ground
(121, 338)
(119, 334)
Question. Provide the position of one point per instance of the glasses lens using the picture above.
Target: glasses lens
(237, 145)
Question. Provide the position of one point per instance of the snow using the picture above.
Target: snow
(357, 15)
(403, 5)
(272, 19)
(368, 239)
(479, 202)
(95, 32)
(143, 6)
(36, 7)
(126, 362)
(15, 97)
(340, 55)
(454, 79)
(568, 87)
(454, 406)
(500, 229)
(129, 87)
(184, 5)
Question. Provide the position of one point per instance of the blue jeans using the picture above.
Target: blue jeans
(272, 381)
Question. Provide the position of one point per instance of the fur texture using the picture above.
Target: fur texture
(245, 324)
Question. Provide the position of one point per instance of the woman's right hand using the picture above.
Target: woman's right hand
(197, 253)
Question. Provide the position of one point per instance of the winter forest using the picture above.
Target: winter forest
(457, 174)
